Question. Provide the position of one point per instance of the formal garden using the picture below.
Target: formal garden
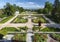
(27, 20)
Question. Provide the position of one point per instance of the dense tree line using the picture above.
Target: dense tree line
(50, 8)
(56, 10)
(11, 9)
(47, 8)
(56, 7)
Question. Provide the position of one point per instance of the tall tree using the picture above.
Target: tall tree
(45, 11)
(48, 6)
(20, 9)
(9, 9)
(40, 11)
(55, 7)
(56, 10)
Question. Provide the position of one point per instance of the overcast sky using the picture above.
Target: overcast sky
(32, 4)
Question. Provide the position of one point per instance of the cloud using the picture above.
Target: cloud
(30, 5)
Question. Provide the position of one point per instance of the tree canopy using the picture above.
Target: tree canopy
(47, 8)
(11, 9)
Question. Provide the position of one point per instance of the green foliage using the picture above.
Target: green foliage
(9, 29)
(6, 19)
(23, 28)
(40, 38)
(3, 32)
(48, 8)
(20, 9)
(36, 28)
(53, 18)
(20, 37)
(45, 11)
(9, 9)
(56, 36)
(40, 10)
(50, 29)
(56, 11)
(40, 18)
(19, 20)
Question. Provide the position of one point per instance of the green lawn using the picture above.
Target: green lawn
(19, 37)
(5, 20)
(19, 20)
(39, 18)
(40, 38)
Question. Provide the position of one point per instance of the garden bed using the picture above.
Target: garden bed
(46, 29)
(50, 29)
(7, 29)
(19, 38)
(40, 38)
(6, 19)
(55, 36)
(39, 18)
(19, 20)
(23, 28)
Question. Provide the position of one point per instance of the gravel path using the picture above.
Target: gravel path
(5, 24)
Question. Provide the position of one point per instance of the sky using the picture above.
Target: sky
(27, 4)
